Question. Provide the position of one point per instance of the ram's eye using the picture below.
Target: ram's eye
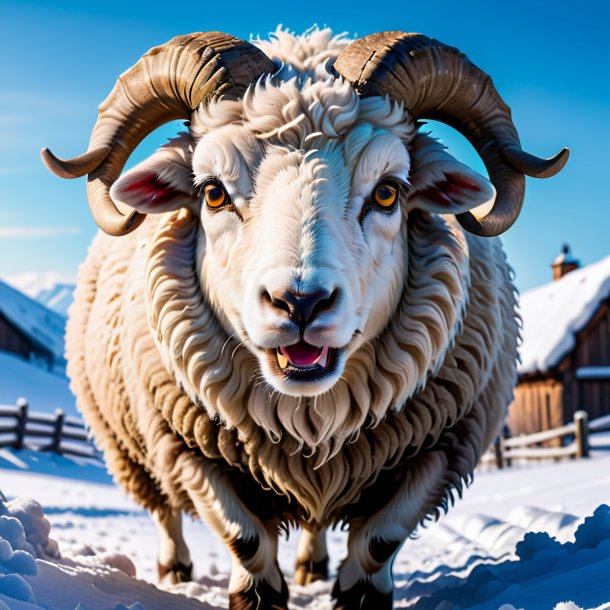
(215, 195)
(385, 195)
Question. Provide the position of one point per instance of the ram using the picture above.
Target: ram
(310, 327)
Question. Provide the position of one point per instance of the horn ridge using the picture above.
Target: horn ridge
(436, 81)
(167, 83)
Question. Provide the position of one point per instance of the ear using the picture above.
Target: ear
(441, 184)
(162, 183)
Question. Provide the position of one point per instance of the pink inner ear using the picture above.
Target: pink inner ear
(457, 183)
(440, 194)
(150, 191)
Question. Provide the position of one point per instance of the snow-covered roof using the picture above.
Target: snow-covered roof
(40, 324)
(553, 314)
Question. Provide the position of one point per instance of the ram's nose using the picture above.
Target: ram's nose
(302, 308)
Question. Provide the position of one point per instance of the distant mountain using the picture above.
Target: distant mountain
(54, 290)
(58, 298)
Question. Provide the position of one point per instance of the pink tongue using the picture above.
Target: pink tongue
(301, 353)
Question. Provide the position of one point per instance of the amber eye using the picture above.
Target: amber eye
(215, 195)
(385, 195)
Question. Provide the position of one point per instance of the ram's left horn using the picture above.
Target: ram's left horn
(166, 84)
(533, 166)
(436, 81)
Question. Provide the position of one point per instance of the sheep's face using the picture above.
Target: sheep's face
(303, 194)
(301, 259)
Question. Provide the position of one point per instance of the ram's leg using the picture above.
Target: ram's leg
(256, 581)
(174, 560)
(365, 577)
(312, 557)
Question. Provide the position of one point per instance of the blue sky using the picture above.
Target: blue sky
(59, 61)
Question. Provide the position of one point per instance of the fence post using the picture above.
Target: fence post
(57, 430)
(22, 419)
(506, 454)
(581, 423)
(498, 453)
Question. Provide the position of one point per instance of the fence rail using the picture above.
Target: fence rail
(22, 428)
(574, 442)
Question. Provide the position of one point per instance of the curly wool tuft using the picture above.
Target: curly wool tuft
(304, 56)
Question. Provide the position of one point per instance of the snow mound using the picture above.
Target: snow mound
(17, 552)
(542, 571)
(34, 576)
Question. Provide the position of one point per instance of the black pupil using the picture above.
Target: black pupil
(384, 192)
(215, 194)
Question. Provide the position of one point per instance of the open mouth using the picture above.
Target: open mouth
(303, 361)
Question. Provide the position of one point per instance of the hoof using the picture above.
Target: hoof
(362, 596)
(260, 596)
(172, 575)
(306, 572)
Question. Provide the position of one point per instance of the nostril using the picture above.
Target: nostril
(325, 303)
(281, 304)
(301, 308)
(274, 300)
(264, 297)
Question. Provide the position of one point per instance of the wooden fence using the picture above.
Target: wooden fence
(22, 428)
(58, 432)
(572, 441)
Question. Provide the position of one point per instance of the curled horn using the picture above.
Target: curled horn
(166, 84)
(435, 81)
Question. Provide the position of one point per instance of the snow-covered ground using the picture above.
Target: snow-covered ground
(480, 556)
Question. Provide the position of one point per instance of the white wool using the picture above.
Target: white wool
(305, 56)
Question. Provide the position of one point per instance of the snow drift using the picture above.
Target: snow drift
(537, 572)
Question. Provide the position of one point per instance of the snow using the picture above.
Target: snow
(593, 372)
(40, 324)
(536, 537)
(43, 390)
(552, 315)
(59, 298)
(51, 288)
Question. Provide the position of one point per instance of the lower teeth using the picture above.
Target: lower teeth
(321, 361)
(282, 360)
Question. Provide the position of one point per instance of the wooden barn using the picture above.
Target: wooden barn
(565, 354)
(30, 330)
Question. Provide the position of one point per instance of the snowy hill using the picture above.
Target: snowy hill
(527, 538)
(52, 289)
(43, 390)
